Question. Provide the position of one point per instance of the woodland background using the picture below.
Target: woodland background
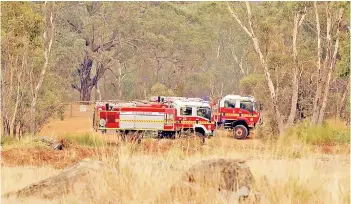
(294, 57)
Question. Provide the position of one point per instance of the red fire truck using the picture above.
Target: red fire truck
(236, 113)
(165, 116)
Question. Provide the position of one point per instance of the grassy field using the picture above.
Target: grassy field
(288, 170)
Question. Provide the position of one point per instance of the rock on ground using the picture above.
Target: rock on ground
(74, 179)
(223, 174)
(228, 176)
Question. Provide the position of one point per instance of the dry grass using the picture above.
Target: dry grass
(286, 171)
(284, 174)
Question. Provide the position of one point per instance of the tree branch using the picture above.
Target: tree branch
(75, 87)
(239, 21)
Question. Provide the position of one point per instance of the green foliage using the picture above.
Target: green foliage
(26, 141)
(159, 89)
(7, 140)
(343, 64)
(318, 135)
(166, 48)
(268, 130)
(85, 139)
(19, 19)
(248, 83)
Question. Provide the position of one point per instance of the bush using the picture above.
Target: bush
(159, 89)
(85, 139)
(26, 141)
(269, 127)
(248, 83)
(8, 140)
(319, 135)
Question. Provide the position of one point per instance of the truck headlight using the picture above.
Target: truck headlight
(102, 122)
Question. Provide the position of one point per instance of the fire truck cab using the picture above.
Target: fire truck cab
(236, 113)
(194, 115)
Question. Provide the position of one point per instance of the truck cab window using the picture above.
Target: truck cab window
(204, 112)
(186, 111)
(229, 104)
(246, 106)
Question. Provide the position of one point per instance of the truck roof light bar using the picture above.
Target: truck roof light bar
(172, 99)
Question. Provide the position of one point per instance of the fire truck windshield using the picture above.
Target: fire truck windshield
(204, 112)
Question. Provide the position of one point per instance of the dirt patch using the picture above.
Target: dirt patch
(67, 126)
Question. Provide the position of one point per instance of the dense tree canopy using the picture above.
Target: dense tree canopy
(132, 50)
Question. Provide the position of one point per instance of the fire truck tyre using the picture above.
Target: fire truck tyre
(240, 132)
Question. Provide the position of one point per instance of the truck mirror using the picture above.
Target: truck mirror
(261, 106)
(107, 107)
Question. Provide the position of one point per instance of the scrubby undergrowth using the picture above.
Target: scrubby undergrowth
(330, 133)
(295, 168)
(144, 174)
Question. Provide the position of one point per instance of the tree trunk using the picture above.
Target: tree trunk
(85, 93)
(86, 83)
(343, 99)
(222, 89)
(120, 78)
(6, 125)
(98, 91)
(159, 66)
(316, 101)
(12, 124)
(295, 89)
(2, 130)
(330, 70)
(264, 64)
(237, 61)
(48, 40)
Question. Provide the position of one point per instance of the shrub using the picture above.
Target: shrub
(8, 140)
(26, 141)
(159, 89)
(85, 139)
(269, 127)
(318, 135)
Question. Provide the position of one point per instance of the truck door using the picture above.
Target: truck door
(170, 119)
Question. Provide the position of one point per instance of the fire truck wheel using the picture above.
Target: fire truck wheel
(240, 132)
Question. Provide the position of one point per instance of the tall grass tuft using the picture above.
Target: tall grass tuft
(26, 141)
(85, 139)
